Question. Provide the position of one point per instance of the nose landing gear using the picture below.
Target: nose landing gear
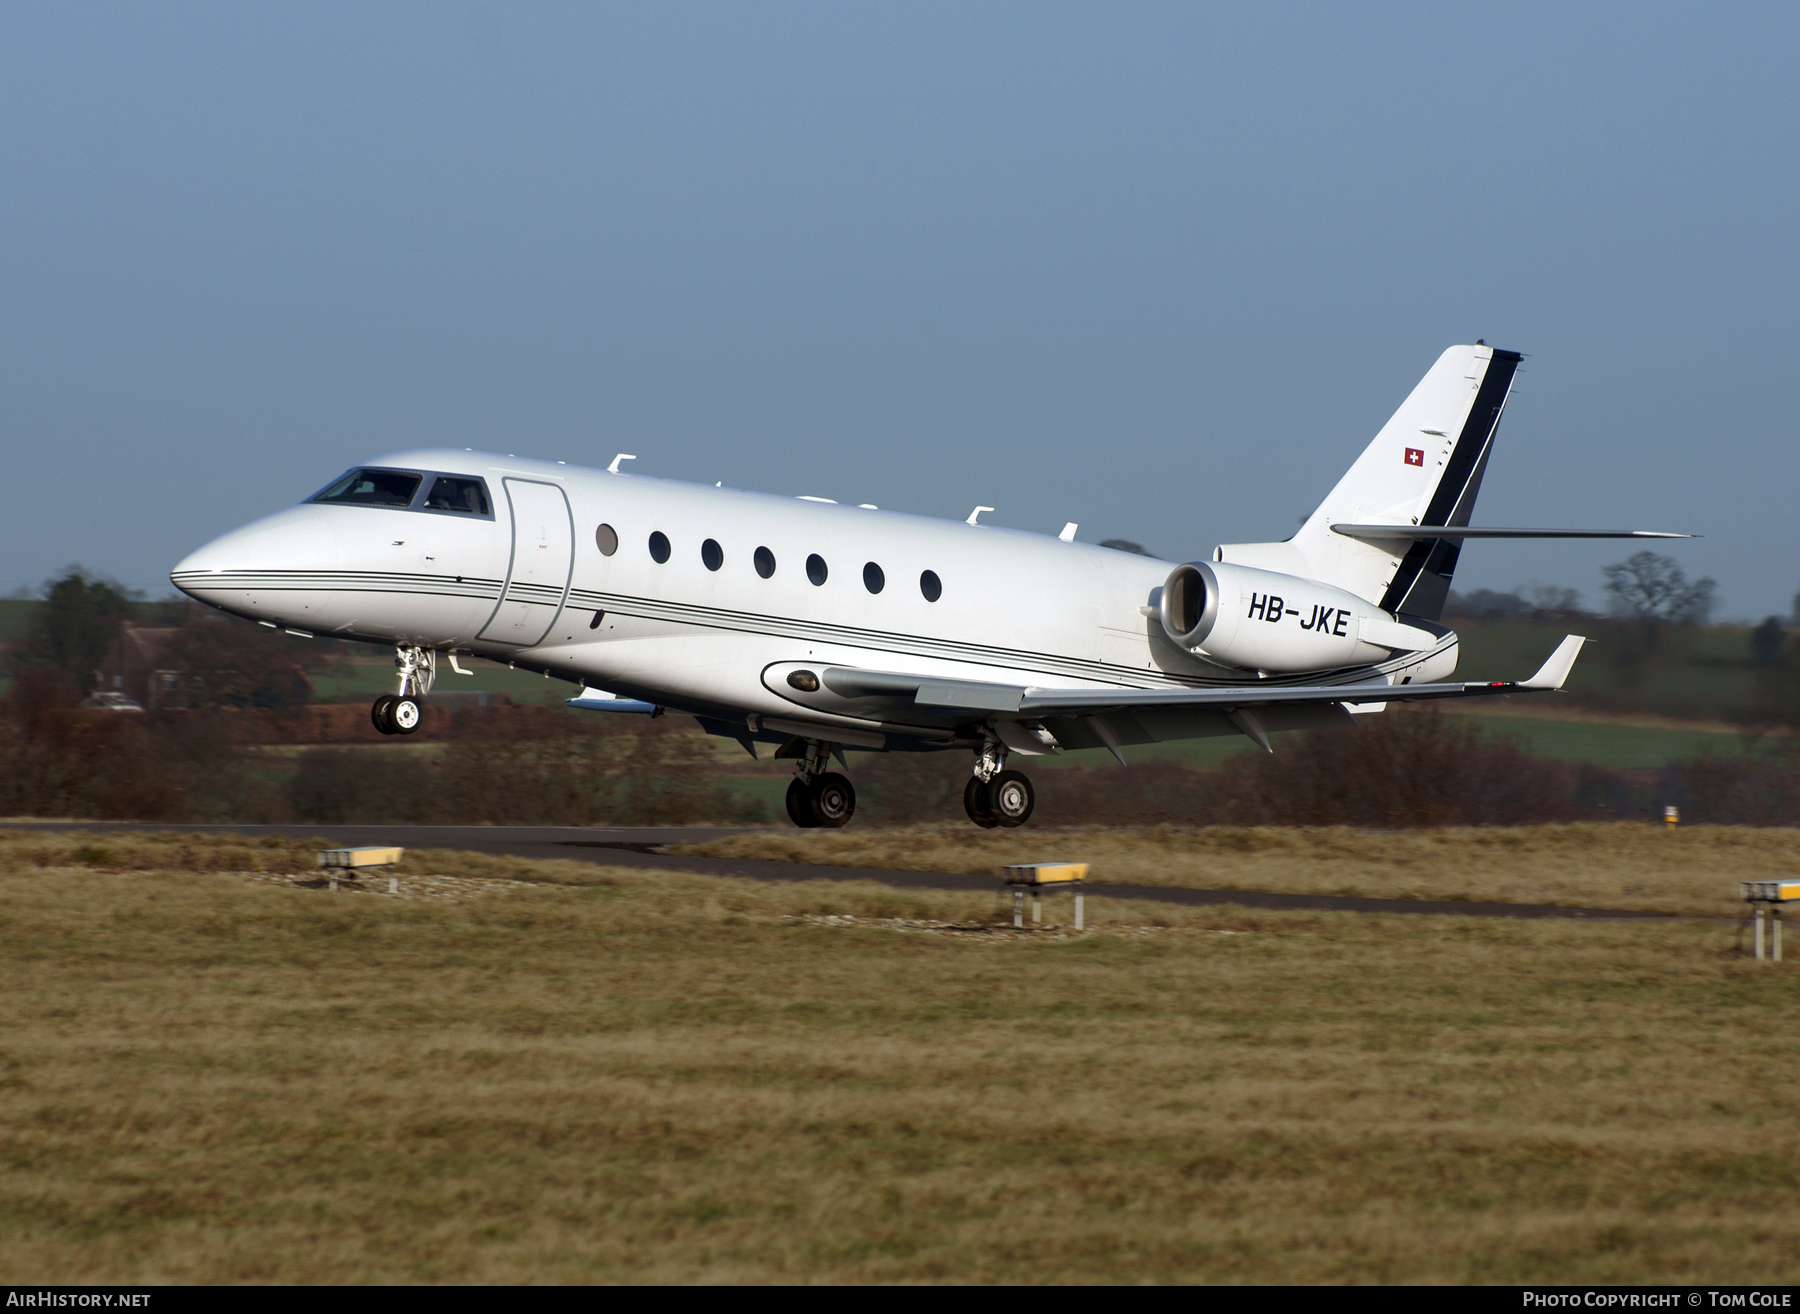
(817, 797)
(396, 714)
(400, 713)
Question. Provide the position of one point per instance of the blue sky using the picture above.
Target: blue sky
(1162, 270)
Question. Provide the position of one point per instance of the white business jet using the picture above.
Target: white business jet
(815, 627)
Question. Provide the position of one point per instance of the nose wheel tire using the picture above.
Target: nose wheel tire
(833, 799)
(404, 714)
(975, 803)
(396, 714)
(1011, 798)
(799, 808)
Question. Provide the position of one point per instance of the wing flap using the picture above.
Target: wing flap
(969, 694)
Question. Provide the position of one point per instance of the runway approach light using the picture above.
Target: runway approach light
(1041, 878)
(1768, 896)
(336, 860)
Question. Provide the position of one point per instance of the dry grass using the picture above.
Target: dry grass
(619, 1077)
(198, 851)
(1694, 870)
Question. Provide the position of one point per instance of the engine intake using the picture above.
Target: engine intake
(1190, 603)
(1266, 621)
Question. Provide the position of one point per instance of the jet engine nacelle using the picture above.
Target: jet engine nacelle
(1265, 621)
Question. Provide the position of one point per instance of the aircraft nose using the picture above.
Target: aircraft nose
(251, 569)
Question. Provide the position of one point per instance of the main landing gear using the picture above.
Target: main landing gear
(817, 797)
(996, 797)
(400, 713)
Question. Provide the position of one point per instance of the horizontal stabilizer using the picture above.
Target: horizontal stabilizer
(1553, 672)
(1411, 532)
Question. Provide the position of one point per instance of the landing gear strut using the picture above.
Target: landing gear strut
(995, 796)
(817, 797)
(400, 713)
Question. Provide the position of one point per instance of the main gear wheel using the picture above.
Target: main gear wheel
(975, 803)
(828, 799)
(1010, 798)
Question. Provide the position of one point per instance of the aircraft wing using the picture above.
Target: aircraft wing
(1077, 718)
(1074, 702)
(982, 699)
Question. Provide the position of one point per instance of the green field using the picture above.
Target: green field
(1700, 672)
(1621, 746)
(1576, 740)
(560, 1073)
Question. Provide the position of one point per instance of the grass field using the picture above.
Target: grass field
(1609, 742)
(1693, 871)
(602, 1076)
(1576, 736)
(1693, 671)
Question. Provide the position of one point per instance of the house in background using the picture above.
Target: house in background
(144, 666)
(205, 663)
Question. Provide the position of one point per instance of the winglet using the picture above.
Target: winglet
(1553, 672)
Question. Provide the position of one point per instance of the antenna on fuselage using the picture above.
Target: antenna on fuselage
(614, 467)
(976, 512)
(1068, 534)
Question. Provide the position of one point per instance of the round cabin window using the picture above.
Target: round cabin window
(873, 580)
(607, 540)
(815, 569)
(712, 554)
(659, 547)
(765, 562)
(931, 586)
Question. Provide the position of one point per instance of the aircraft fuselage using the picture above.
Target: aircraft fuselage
(746, 582)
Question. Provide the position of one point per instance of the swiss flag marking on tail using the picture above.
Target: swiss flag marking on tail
(1414, 456)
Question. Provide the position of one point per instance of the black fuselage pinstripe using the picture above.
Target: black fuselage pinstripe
(722, 619)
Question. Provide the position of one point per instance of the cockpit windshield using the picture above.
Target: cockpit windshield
(373, 488)
(465, 495)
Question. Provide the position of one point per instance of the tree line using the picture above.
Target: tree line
(218, 660)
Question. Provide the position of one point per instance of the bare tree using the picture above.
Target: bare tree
(1550, 598)
(1484, 605)
(1653, 590)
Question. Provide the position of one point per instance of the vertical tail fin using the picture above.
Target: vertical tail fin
(1424, 468)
